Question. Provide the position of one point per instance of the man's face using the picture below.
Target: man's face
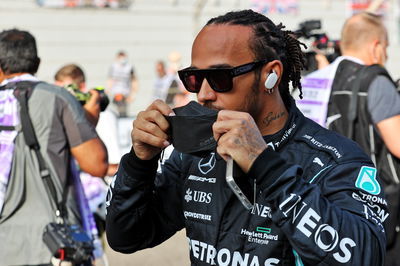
(219, 46)
(122, 59)
(64, 81)
(160, 69)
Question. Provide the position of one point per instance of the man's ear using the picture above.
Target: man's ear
(274, 66)
(373, 50)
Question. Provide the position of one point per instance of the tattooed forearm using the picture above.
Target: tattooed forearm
(271, 117)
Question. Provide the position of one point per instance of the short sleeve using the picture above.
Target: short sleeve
(383, 99)
(78, 128)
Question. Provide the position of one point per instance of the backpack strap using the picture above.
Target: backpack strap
(22, 92)
(364, 78)
(351, 116)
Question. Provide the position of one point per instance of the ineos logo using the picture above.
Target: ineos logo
(207, 164)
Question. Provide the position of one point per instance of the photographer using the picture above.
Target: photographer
(73, 78)
(73, 75)
(300, 180)
(62, 131)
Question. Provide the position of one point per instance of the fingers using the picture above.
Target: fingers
(228, 120)
(142, 137)
(238, 137)
(150, 128)
(160, 106)
(155, 113)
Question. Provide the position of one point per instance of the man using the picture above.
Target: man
(309, 184)
(122, 84)
(62, 131)
(70, 74)
(95, 188)
(167, 86)
(376, 121)
(107, 124)
(161, 82)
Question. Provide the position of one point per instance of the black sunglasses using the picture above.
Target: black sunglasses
(220, 79)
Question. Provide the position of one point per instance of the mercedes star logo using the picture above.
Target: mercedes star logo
(207, 164)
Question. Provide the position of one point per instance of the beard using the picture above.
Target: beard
(210, 105)
(250, 104)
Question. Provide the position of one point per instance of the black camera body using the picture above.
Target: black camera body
(307, 27)
(68, 242)
(83, 97)
(310, 30)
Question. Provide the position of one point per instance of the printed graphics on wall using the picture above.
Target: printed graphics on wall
(85, 3)
(275, 6)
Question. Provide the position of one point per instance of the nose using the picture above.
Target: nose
(206, 93)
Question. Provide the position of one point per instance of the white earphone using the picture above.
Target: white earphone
(271, 80)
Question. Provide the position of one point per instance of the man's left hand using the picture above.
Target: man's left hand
(92, 107)
(238, 137)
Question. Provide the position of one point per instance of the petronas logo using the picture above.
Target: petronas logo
(366, 180)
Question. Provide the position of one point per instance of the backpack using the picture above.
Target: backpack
(348, 114)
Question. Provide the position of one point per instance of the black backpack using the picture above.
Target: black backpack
(348, 114)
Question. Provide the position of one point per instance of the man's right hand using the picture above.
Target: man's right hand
(149, 134)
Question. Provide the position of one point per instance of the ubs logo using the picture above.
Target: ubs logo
(207, 164)
(198, 196)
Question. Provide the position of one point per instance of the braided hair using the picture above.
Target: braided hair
(271, 42)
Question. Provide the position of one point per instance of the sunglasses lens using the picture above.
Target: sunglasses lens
(220, 80)
(194, 82)
(191, 81)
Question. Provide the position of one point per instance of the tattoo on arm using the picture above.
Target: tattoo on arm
(271, 117)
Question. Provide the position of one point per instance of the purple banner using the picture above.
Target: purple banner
(316, 83)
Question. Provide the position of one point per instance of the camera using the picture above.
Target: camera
(310, 30)
(83, 97)
(68, 242)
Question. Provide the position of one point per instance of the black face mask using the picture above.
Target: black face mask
(191, 129)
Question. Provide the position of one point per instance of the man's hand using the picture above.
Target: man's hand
(149, 134)
(238, 137)
(92, 107)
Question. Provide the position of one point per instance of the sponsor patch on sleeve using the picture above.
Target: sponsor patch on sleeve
(366, 180)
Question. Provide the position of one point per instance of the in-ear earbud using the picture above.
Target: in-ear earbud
(271, 80)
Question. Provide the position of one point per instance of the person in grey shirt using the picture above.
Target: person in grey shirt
(63, 131)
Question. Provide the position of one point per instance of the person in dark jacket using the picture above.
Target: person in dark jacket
(315, 196)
